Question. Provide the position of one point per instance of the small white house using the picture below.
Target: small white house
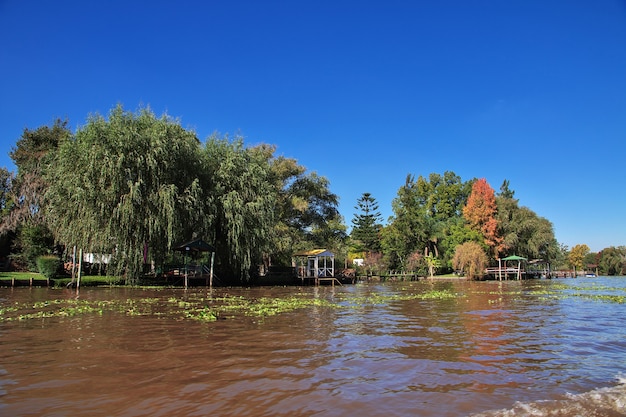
(96, 258)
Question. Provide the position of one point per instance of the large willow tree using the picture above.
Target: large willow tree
(243, 200)
(126, 183)
(523, 232)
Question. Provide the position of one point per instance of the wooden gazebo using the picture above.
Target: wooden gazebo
(314, 264)
(507, 269)
(193, 247)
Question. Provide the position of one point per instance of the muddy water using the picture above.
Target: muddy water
(495, 349)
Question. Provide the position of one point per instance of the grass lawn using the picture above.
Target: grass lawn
(6, 279)
(4, 276)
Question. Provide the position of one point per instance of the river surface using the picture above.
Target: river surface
(514, 348)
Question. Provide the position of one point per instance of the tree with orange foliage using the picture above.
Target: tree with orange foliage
(480, 213)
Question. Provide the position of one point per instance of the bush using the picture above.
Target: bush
(471, 259)
(33, 242)
(48, 265)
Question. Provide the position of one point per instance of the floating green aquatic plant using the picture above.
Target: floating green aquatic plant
(382, 299)
(202, 307)
(619, 299)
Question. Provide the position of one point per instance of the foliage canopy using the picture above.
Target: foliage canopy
(134, 185)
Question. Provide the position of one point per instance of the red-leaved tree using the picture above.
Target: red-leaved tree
(480, 213)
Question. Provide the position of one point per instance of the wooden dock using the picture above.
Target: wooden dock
(391, 276)
(23, 282)
(319, 280)
(515, 273)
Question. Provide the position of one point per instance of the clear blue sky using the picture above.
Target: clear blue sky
(362, 92)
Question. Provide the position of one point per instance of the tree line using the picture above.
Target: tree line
(441, 223)
(134, 185)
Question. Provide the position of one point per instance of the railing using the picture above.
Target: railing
(324, 272)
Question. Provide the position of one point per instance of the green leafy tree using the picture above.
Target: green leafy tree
(241, 215)
(313, 207)
(123, 183)
(432, 263)
(406, 232)
(366, 224)
(23, 211)
(6, 239)
(332, 236)
(541, 242)
(31, 242)
(426, 211)
(305, 208)
(523, 231)
(529, 235)
(505, 190)
(592, 261)
(456, 234)
(31, 155)
(442, 196)
(6, 182)
(612, 260)
(281, 207)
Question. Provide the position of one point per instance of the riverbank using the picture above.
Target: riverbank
(34, 279)
(408, 277)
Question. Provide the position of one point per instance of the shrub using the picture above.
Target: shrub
(33, 241)
(471, 259)
(48, 265)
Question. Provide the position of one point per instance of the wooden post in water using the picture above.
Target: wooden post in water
(185, 260)
(211, 271)
(74, 264)
(80, 268)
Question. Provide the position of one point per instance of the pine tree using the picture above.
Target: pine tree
(366, 223)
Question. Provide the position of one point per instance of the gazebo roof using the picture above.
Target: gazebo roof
(196, 245)
(514, 258)
(314, 252)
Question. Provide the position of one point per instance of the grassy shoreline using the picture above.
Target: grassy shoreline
(22, 278)
(8, 279)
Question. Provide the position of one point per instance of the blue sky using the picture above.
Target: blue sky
(362, 92)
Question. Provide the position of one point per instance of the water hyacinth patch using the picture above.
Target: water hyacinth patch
(204, 307)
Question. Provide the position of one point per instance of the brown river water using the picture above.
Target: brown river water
(515, 348)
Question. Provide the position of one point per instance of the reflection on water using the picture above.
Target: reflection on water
(537, 346)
